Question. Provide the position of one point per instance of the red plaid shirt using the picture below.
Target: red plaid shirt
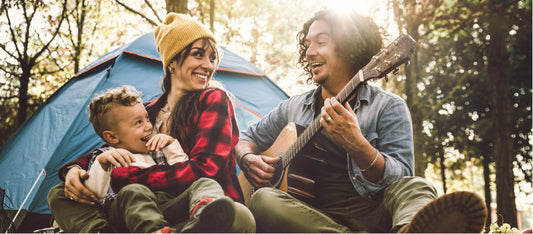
(212, 134)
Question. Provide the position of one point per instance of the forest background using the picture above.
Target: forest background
(468, 85)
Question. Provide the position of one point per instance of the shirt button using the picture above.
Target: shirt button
(369, 197)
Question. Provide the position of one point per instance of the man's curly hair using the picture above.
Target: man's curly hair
(104, 102)
(357, 38)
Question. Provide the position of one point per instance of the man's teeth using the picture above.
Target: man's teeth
(316, 64)
(146, 138)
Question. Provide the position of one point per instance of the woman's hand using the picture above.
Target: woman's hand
(258, 169)
(158, 142)
(115, 157)
(75, 189)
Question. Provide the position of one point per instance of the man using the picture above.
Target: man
(363, 179)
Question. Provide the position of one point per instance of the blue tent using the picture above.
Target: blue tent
(59, 130)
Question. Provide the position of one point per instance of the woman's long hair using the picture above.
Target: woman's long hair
(183, 113)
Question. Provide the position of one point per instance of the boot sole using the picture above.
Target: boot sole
(461, 211)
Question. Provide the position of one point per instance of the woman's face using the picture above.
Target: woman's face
(196, 70)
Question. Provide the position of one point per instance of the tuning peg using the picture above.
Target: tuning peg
(396, 71)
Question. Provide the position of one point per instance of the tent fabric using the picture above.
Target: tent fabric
(59, 130)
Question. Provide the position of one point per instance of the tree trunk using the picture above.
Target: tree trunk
(499, 70)
(177, 6)
(78, 47)
(486, 178)
(212, 16)
(23, 96)
(443, 172)
(411, 91)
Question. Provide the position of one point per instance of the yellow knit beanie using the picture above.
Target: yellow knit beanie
(176, 33)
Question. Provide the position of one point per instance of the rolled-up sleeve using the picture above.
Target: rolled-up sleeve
(388, 128)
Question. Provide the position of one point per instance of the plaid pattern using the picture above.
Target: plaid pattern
(159, 157)
(87, 160)
(212, 136)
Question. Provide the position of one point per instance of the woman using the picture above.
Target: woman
(201, 118)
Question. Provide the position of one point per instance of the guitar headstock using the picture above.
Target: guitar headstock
(397, 53)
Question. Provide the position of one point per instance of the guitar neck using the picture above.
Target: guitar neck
(315, 126)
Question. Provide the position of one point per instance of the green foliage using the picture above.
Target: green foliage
(454, 88)
(504, 228)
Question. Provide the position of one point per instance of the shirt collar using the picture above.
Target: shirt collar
(364, 94)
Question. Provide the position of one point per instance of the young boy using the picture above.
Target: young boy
(120, 119)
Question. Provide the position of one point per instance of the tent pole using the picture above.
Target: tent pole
(25, 199)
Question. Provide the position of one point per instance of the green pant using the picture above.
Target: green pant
(277, 211)
(137, 209)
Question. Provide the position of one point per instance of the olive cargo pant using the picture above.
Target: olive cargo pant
(137, 209)
(277, 211)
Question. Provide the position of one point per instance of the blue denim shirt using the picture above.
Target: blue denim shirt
(385, 122)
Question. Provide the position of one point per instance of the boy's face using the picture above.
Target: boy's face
(132, 127)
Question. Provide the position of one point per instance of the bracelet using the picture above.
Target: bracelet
(244, 155)
(373, 162)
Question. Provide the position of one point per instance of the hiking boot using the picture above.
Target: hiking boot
(461, 211)
(211, 216)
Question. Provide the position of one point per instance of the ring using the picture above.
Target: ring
(71, 197)
(328, 119)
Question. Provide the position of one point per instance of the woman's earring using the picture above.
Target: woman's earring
(171, 70)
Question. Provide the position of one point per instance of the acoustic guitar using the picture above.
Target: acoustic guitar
(289, 143)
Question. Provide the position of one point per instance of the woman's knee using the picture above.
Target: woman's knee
(207, 184)
(204, 181)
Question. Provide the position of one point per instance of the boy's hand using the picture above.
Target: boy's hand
(158, 142)
(116, 157)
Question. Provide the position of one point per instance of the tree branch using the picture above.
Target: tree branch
(63, 16)
(153, 10)
(13, 37)
(11, 72)
(137, 13)
(3, 47)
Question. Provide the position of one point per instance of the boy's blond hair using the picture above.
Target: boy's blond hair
(104, 102)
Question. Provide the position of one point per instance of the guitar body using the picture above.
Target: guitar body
(285, 139)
